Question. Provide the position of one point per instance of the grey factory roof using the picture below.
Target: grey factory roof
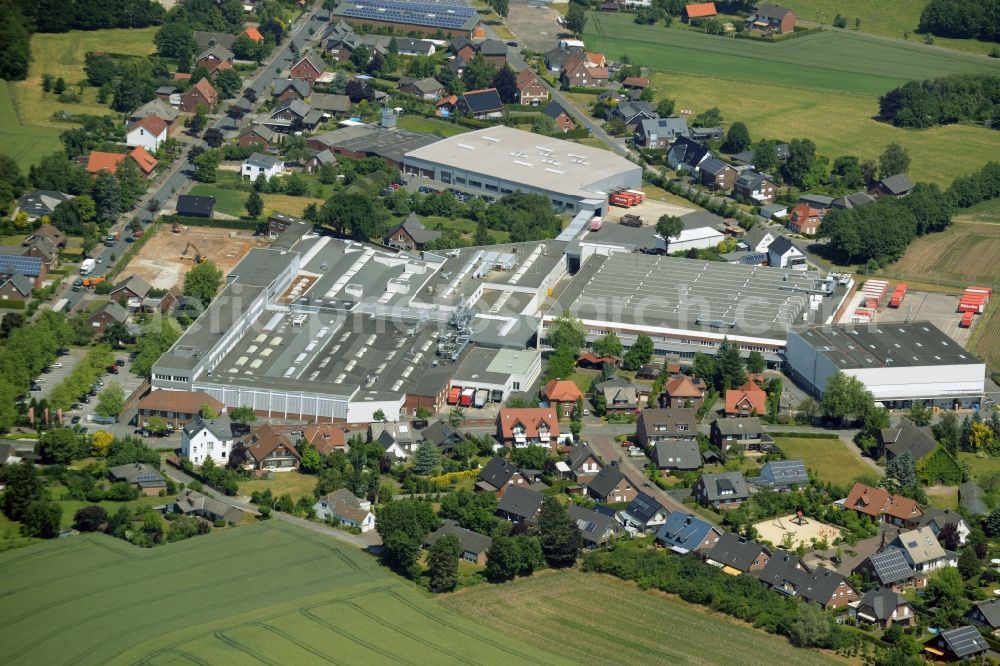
(378, 141)
(520, 157)
(493, 366)
(433, 14)
(690, 294)
(897, 344)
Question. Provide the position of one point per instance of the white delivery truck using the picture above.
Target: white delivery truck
(87, 266)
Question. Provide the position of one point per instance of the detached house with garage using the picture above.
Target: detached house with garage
(520, 428)
(748, 400)
(596, 528)
(583, 464)
(884, 608)
(611, 487)
(906, 437)
(347, 509)
(805, 220)
(725, 490)
(266, 449)
(200, 94)
(782, 253)
(474, 545)
(772, 19)
(877, 503)
(207, 438)
(718, 175)
(923, 551)
(683, 456)
(687, 155)
(754, 187)
(653, 132)
(499, 476)
(410, 234)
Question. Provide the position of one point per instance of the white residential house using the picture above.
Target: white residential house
(781, 253)
(758, 239)
(149, 132)
(207, 438)
(349, 510)
(923, 551)
(258, 165)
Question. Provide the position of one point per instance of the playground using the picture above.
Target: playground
(803, 530)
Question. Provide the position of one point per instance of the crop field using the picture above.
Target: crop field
(25, 143)
(985, 342)
(599, 619)
(829, 459)
(963, 254)
(838, 123)
(62, 55)
(904, 18)
(268, 592)
(845, 62)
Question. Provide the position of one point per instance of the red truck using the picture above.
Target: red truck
(898, 295)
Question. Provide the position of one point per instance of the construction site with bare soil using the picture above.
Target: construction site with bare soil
(167, 257)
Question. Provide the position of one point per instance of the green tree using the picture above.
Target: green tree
(737, 138)
(15, 42)
(23, 487)
(894, 160)
(111, 400)
(60, 446)
(729, 372)
(227, 83)
(479, 73)
(847, 172)
(243, 415)
(352, 213)
(41, 518)
(801, 159)
(669, 226)
(845, 397)
(810, 627)
(946, 595)
(608, 345)
(90, 518)
(558, 536)
(530, 457)
(107, 197)
(756, 363)
(903, 469)
(703, 367)
(59, 87)
(203, 281)
(576, 19)
(205, 166)
(442, 564)
(991, 524)
(427, 458)
(566, 332)
(360, 57)
(403, 524)
(665, 107)
(639, 354)
(920, 414)
(46, 83)
(948, 432)
(765, 156)
(544, 125)
(254, 204)
(969, 564)
(513, 556)
(505, 82)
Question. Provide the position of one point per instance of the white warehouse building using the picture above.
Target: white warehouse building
(501, 160)
(900, 363)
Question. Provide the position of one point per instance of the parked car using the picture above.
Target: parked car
(120, 362)
(55, 365)
(75, 420)
(113, 369)
(36, 387)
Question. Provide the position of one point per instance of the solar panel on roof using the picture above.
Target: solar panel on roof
(891, 566)
(143, 478)
(10, 264)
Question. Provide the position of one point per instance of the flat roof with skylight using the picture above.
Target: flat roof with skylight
(906, 344)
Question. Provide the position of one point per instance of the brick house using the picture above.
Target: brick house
(266, 449)
(16, 287)
(526, 426)
(748, 400)
(683, 391)
(562, 392)
(668, 424)
(474, 545)
(753, 186)
(177, 408)
(498, 476)
(308, 68)
(530, 90)
(877, 503)
(559, 116)
(772, 18)
(805, 220)
(107, 314)
(718, 175)
(410, 234)
(257, 135)
(200, 94)
(735, 554)
(611, 487)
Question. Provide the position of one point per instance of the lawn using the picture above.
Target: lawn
(963, 254)
(26, 144)
(903, 18)
(828, 459)
(943, 497)
(464, 226)
(269, 592)
(62, 55)
(598, 619)
(229, 202)
(838, 123)
(987, 211)
(429, 126)
(838, 61)
(980, 466)
(293, 483)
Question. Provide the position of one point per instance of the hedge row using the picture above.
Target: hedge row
(584, 90)
(799, 32)
(12, 304)
(809, 435)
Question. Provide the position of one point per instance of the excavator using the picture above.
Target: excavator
(198, 258)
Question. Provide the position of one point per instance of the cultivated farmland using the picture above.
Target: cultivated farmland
(985, 342)
(598, 619)
(826, 61)
(269, 592)
(829, 459)
(965, 253)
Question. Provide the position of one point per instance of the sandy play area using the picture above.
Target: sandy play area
(775, 529)
(161, 264)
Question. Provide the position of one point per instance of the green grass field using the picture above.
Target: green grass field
(269, 592)
(987, 211)
(828, 459)
(826, 61)
(985, 342)
(598, 619)
(25, 143)
(63, 55)
(838, 123)
(875, 19)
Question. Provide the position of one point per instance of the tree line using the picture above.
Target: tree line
(943, 101)
(879, 233)
(65, 15)
(964, 19)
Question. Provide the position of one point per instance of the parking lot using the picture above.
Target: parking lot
(85, 412)
(649, 210)
(51, 377)
(938, 308)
